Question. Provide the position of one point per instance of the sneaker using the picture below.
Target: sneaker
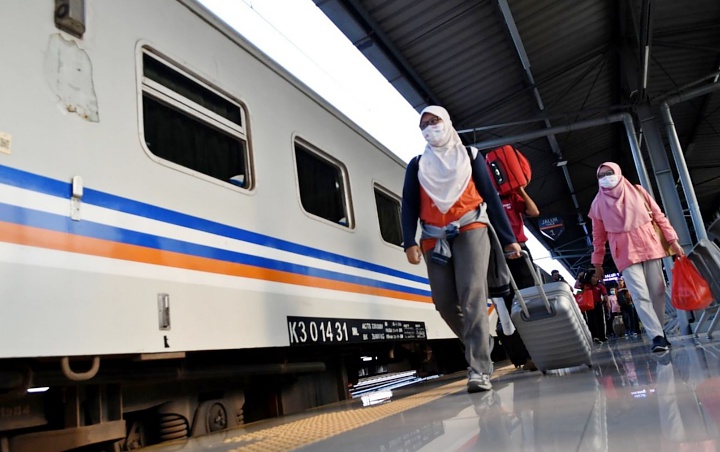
(596, 340)
(659, 345)
(478, 382)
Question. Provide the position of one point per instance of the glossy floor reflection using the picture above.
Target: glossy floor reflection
(631, 400)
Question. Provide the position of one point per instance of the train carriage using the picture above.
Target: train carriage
(178, 213)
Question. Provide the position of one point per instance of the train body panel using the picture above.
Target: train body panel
(233, 262)
(185, 228)
(227, 287)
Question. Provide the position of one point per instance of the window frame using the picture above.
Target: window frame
(174, 100)
(344, 178)
(377, 187)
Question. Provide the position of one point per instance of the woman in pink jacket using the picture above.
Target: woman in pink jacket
(622, 215)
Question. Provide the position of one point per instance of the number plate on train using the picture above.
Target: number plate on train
(316, 330)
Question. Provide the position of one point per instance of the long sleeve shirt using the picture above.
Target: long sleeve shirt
(410, 212)
(638, 245)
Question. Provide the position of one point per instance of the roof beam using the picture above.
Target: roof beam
(679, 45)
(552, 139)
(645, 45)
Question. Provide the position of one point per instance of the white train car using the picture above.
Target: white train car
(187, 233)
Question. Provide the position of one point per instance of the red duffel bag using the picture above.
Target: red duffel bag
(510, 169)
(585, 300)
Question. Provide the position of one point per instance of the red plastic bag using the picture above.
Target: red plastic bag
(689, 290)
(585, 300)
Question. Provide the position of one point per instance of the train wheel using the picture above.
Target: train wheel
(216, 418)
(212, 416)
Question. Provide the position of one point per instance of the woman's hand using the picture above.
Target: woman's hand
(512, 251)
(413, 254)
(599, 272)
(679, 251)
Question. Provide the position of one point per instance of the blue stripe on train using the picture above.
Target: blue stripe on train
(42, 184)
(58, 223)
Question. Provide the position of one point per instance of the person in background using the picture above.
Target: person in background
(518, 204)
(579, 280)
(451, 193)
(614, 311)
(623, 214)
(596, 317)
(627, 309)
(556, 276)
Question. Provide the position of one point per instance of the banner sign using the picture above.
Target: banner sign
(551, 227)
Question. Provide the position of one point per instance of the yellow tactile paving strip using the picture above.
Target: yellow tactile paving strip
(306, 431)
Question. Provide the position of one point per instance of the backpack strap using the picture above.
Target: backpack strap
(472, 153)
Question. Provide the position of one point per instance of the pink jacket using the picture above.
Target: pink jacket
(638, 245)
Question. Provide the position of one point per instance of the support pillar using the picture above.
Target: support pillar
(669, 199)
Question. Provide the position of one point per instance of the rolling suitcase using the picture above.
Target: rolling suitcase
(551, 325)
(618, 326)
(706, 257)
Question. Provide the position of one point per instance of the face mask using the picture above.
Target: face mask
(609, 181)
(434, 135)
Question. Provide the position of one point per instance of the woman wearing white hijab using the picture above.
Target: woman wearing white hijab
(453, 213)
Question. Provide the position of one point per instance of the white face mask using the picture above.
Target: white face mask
(609, 181)
(434, 135)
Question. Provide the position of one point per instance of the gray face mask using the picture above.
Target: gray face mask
(434, 135)
(609, 181)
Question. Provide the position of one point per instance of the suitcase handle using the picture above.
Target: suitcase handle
(538, 285)
(537, 281)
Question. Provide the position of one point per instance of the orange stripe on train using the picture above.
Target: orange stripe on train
(43, 238)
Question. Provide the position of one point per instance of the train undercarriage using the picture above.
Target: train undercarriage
(121, 403)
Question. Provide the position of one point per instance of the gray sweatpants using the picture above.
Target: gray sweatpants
(460, 294)
(646, 284)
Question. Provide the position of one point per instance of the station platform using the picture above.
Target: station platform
(630, 400)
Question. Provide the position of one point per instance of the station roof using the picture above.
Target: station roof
(503, 68)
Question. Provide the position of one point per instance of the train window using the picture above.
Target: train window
(322, 186)
(388, 209)
(191, 124)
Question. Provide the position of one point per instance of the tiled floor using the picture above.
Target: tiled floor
(630, 400)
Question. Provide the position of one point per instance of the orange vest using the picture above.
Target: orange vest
(430, 214)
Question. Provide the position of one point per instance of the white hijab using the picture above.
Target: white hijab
(445, 170)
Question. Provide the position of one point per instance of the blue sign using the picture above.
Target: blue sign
(551, 227)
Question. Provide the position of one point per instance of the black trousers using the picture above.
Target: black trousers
(596, 322)
(630, 318)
